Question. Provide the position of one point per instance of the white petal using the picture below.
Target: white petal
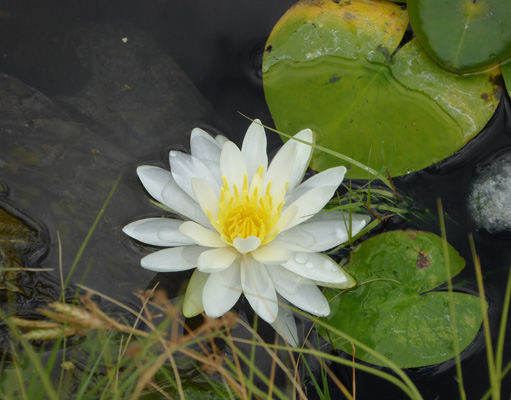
(173, 259)
(215, 260)
(310, 203)
(258, 288)
(204, 147)
(246, 245)
(271, 255)
(192, 303)
(319, 268)
(299, 291)
(154, 180)
(157, 232)
(254, 148)
(321, 232)
(201, 235)
(221, 140)
(161, 185)
(222, 291)
(303, 155)
(290, 163)
(288, 215)
(184, 167)
(205, 196)
(214, 168)
(280, 168)
(285, 325)
(232, 165)
(331, 177)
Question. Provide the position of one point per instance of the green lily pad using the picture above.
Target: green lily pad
(394, 311)
(327, 66)
(463, 35)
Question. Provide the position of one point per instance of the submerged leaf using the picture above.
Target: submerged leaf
(335, 75)
(394, 310)
(16, 240)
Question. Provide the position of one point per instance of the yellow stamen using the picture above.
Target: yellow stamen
(248, 212)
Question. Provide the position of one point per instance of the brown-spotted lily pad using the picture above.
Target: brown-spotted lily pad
(329, 66)
(394, 308)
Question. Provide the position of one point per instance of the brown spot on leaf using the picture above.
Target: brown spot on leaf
(423, 261)
(348, 15)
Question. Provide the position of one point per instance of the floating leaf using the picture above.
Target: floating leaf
(327, 66)
(463, 35)
(393, 309)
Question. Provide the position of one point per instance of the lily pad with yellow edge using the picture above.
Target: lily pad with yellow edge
(332, 66)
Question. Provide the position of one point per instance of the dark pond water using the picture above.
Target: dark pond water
(95, 88)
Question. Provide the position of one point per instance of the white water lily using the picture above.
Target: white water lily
(248, 227)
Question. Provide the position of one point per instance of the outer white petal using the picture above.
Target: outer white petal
(319, 268)
(184, 167)
(192, 303)
(154, 180)
(331, 177)
(200, 235)
(246, 245)
(271, 255)
(254, 148)
(285, 325)
(204, 147)
(232, 165)
(157, 232)
(173, 259)
(321, 232)
(161, 185)
(222, 291)
(303, 155)
(258, 288)
(205, 196)
(300, 291)
(215, 260)
(221, 140)
(214, 168)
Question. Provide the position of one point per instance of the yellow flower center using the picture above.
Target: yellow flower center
(248, 212)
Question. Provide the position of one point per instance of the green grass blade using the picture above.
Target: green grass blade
(452, 311)
(91, 231)
(494, 378)
(502, 329)
(35, 361)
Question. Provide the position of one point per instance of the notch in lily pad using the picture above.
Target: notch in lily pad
(396, 309)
